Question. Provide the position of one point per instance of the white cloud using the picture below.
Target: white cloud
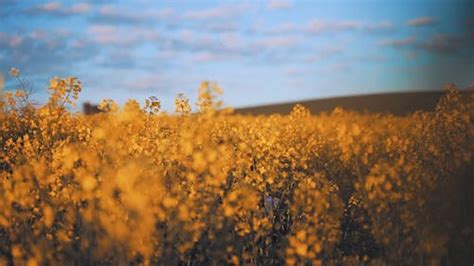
(398, 43)
(205, 57)
(340, 67)
(102, 32)
(321, 26)
(277, 42)
(232, 42)
(148, 82)
(56, 8)
(186, 36)
(280, 4)
(444, 44)
(219, 12)
(421, 21)
(282, 28)
(436, 44)
(51, 6)
(221, 27)
(45, 52)
(11, 40)
(80, 8)
(293, 71)
(325, 53)
(113, 35)
(318, 26)
(113, 15)
(383, 26)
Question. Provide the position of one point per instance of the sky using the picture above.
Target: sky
(259, 52)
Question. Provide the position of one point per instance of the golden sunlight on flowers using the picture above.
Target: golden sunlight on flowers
(135, 185)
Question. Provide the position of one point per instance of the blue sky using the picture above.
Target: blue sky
(258, 51)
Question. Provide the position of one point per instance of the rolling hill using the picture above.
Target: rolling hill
(398, 103)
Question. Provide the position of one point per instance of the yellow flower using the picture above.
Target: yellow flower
(14, 72)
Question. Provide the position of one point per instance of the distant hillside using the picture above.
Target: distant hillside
(399, 103)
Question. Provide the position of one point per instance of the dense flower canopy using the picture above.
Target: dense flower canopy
(133, 184)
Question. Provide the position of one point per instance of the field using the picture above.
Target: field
(134, 185)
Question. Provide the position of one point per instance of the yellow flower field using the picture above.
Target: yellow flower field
(134, 185)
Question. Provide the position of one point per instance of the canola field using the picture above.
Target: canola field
(133, 185)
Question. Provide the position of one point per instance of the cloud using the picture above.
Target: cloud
(292, 71)
(79, 8)
(277, 29)
(219, 12)
(334, 26)
(43, 52)
(398, 43)
(210, 26)
(147, 83)
(205, 57)
(45, 35)
(340, 67)
(122, 36)
(119, 59)
(325, 53)
(283, 28)
(321, 26)
(280, 4)
(422, 22)
(105, 34)
(57, 9)
(317, 26)
(232, 42)
(444, 44)
(364, 59)
(165, 55)
(200, 44)
(10, 40)
(110, 14)
(220, 27)
(277, 42)
(49, 7)
(440, 44)
(205, 47)
(380, 27)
